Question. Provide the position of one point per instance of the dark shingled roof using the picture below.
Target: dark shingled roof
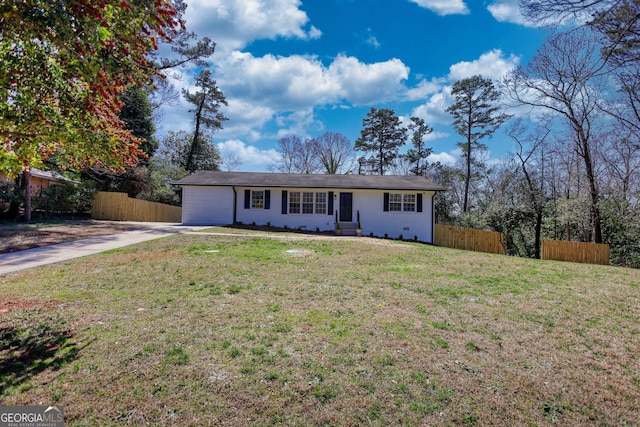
(265, 179)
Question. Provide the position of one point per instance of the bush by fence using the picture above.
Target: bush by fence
(589, 253)
(119, 207)
(469, 239)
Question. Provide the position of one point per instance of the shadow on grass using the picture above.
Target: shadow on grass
(28, 350)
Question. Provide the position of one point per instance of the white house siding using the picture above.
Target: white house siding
(370, 203)
(374, 219)
(202, 205)
(274, 215)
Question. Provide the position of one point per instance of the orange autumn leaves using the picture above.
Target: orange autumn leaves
(64, 65)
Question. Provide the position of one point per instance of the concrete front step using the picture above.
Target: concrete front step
(348, 228)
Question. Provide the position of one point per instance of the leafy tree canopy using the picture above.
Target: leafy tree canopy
(178, 150)
(64, 66)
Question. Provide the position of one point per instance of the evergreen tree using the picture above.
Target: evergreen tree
(206, 101)
(177, 150)
(417, 155)
(382, 136)
(137, 116)
(476, 115)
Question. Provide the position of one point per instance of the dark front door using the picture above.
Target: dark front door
(346, 207)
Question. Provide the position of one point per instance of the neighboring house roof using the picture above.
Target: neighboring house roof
(265, 179)
(48, 175)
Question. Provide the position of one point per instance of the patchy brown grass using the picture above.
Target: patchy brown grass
(235, 330)
(18, 237)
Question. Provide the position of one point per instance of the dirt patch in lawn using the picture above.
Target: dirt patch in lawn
(18, 237)
(18, 304)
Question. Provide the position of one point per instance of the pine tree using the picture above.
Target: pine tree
(476, 115)
(207, 101)
(382, 136)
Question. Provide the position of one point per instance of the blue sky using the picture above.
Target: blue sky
(308, 66)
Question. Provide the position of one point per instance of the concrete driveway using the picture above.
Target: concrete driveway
(22, 260)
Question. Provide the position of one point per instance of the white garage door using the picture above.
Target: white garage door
(207, 205)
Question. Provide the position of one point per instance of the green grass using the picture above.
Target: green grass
(366, 332)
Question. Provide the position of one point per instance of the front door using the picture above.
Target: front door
(346, 207)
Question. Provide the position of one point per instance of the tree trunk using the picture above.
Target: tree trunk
(27, 196)
(537, 206)
(538, 240)
(381, 154)
(189, 164)
(467, 180)
(596, 220)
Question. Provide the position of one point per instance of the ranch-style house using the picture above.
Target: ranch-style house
(386, 205)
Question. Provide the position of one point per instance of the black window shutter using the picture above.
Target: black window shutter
(419, 207)
(386, 202)
(330, 204)
(247, 199)
(267, 199)
(284, 202)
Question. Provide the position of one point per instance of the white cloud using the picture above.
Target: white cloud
(244, 118)
(507, 11)
(282, 83)
(371, 39)
(235, 23)
(424, 89)
(362, 84)
(297, 123)
(250, 157)
(444, 7)
(261, 89)
(434, 110)
(492, 65)
(314, 33)
(297, 82)
(435, 135)
(444, 158)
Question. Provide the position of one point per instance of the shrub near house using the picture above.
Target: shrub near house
(52, 193)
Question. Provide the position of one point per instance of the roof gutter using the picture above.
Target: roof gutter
(433, 218)
(235, 202)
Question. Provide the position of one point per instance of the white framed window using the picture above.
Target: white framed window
(294, 202)
(257, 199)
(395, 202)
(399, 202)
(409, 203)
(321, 203)
(307, 202)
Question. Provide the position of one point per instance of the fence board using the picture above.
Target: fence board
(469, 239)
(588, 253)
(119, 207)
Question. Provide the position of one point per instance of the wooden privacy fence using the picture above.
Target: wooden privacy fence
(469, 239)
(589, 253)
(119, 207)
(493, 242)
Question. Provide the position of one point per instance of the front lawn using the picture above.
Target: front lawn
(241, 330)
